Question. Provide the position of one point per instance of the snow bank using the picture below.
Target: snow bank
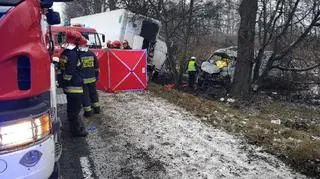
(145, 136)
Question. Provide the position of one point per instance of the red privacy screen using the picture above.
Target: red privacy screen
(122, 70)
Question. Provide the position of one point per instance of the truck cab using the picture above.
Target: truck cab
(140, 31)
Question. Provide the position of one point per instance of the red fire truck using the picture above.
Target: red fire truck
(29, 127)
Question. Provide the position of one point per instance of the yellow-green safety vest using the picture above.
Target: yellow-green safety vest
(191, 66)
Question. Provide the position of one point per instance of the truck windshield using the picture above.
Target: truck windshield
(9, 2)
(93, 39)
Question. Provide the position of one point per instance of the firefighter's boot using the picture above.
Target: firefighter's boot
(82, 132)
(77, 127)
(87, 114)
(96, 110)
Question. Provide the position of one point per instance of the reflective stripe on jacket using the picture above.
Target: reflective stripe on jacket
(89, 80)
(90, 67)
(73, 89)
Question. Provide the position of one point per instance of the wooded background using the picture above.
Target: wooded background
(286, 29)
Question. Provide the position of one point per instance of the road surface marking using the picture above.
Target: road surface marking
(85, 167)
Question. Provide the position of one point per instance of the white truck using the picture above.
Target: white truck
(141, 32)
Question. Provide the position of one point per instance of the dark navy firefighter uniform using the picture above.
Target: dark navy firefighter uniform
(90, 74)
(72, 84)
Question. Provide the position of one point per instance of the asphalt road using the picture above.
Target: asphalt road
(73, 150)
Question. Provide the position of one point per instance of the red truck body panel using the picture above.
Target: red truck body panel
(22, 37)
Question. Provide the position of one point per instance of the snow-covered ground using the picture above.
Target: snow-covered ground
(143, 136)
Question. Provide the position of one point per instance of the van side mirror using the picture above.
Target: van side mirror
(61, 37)
(103, 38)
(53, 17)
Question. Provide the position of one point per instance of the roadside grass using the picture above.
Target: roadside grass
(295, 139)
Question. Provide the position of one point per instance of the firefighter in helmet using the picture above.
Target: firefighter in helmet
(192, 71)
(90, 74)
(116, 44)
(72, 82)
(125, 45)
(109, 44)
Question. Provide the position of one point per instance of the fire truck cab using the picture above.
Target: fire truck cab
(95, 40)
(29, 127)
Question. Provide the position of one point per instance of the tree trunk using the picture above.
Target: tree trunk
(242, 78)
(170, 59)
(186, 44)
(103, 6)
(257, 66)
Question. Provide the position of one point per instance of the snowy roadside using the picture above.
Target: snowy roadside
(143, 136)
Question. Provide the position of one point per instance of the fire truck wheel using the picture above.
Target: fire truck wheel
(56, 172)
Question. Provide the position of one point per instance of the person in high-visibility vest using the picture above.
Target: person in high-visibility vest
(192, 71)
(72, 81)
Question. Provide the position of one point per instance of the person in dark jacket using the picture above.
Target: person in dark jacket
(72, 82)
(90, 74)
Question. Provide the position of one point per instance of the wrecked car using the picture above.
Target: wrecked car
(217, 71)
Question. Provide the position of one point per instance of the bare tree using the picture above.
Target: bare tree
(112, 4)
(177, 25)
(282, 27)
(78, 8)
(187, 34)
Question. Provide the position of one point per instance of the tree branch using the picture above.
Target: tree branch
(303, 35)
(296, 69)
(290, 17)
(273, 21)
